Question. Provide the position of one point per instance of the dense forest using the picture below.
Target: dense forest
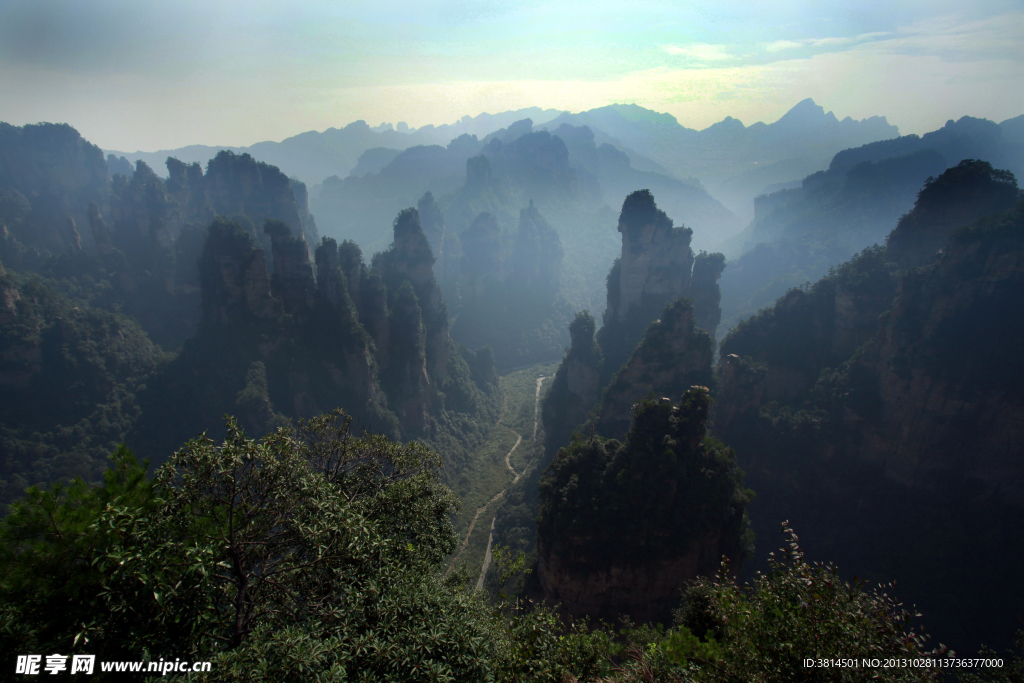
(529, 397)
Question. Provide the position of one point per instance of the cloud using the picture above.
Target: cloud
(702, 52)
(831, 41)
(828, 42)
(779, 45)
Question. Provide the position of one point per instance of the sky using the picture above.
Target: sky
(155, 75)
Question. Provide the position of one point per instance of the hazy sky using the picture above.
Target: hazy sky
(149, 75)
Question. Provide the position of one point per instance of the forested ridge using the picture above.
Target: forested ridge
(229, 433)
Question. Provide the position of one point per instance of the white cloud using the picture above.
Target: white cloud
(831, 41)
(702, 52)
(827, 42)
(780, 45)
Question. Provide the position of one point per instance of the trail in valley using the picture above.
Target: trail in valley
(508, 463)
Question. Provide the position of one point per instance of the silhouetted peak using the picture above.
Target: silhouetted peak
(639, 211)
(411, 245)
(580, 133)
(143, 171)
(960, 195)
(464, 144)
(636, 113)
(432, 222)
(478, 171)
(728, 125)
(804, 109)
(293, 273)
(518, 129)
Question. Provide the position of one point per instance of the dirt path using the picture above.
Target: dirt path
(490, 537)
(472, 523)
(508, 464)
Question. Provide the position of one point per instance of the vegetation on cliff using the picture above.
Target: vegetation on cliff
(666, 499)
(71, 376)
(315, 554)
(891, 392)
(800, 232)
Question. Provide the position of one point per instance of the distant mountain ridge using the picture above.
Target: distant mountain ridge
(732, 159)
(798, 233)
(735, 161)
(313, 155)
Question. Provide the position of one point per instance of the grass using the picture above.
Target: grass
(490, 475)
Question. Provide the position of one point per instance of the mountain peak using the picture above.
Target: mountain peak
(803, 111)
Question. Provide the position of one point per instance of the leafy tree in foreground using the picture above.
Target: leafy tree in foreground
(315, 554)
(312, 549)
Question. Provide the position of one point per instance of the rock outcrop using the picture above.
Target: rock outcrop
(237, 184)
(575, 387)
(481, 257)
(59, 172)
(146, 217)
(101, 236)
(293, 273)
(624, 527)
(950, 403)
(656, 262)
(233, 274)
(536, 259)
(432, 222)
(9, 296)
(961, 195)
(412, 260)
(672, 357)
(706, 294)
(656, 267)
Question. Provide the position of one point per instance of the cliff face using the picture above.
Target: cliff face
(707, 297)
(142, 257)
(575, 387)
(293, 273)
(656, 261)
(267, 347)
(672, 357)
(307, 220)
(59, 173)
(240, 185)
(536, 259)
(949, 389)
(146, 217)
(869, 414)
(418, 349)
(624, 526)
(233, 275)
(432, 222)
(481, 257)
(960, 196)
(655, 268)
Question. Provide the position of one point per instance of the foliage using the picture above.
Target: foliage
(49, 585)
(801, 332)
(313, 532)
(72, 374)
(649, 497)
(959, 196)
(313, 555)
(766, 631)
